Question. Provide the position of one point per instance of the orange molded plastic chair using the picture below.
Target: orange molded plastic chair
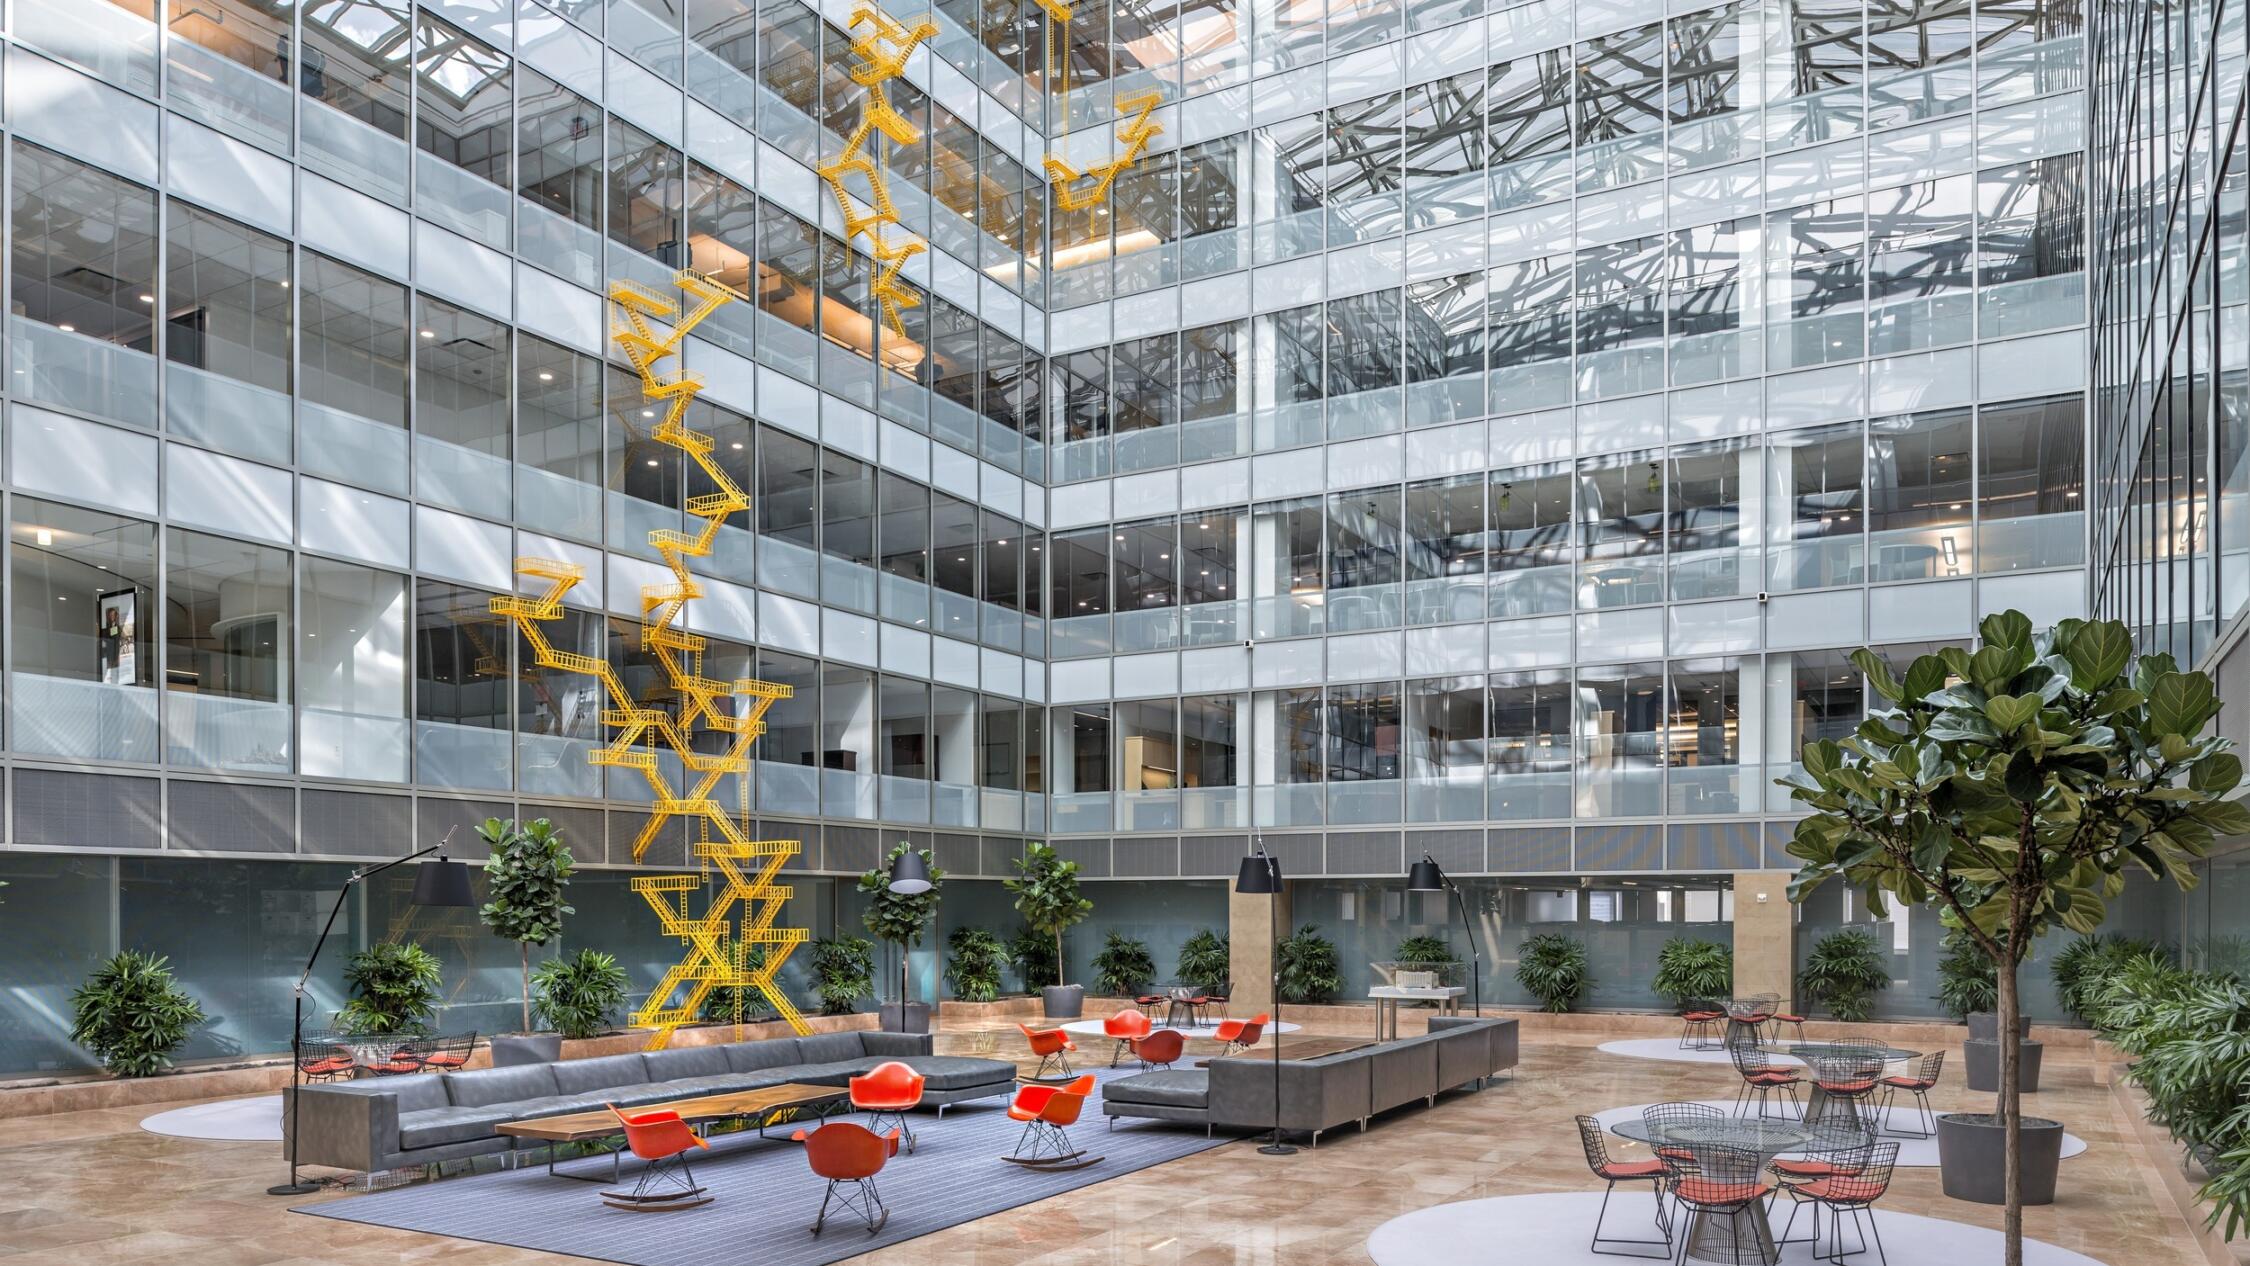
(849, 1156)
(885, 1093)
(1047, 1112)
(1125, 1026)
(661, 1138)
(1160, 1049)
(1238, 1035)
(1053, 1047)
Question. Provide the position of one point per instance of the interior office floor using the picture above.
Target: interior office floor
(93, 1188)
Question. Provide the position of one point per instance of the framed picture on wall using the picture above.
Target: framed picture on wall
(117, 636)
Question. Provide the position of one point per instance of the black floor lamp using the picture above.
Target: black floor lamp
(1427, 876)
(441, 882)
(910, 877)
(1261, 873)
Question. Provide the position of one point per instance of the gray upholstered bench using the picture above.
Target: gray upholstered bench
(1170, 1094)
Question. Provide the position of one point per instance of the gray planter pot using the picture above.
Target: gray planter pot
(910, 1017)
(1984, 1026)
(1981, 1059)
(1972, 1155)
(526, 1048)
(1063, 1002)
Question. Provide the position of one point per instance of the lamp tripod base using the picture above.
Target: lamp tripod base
(293, 1189)
(1277, 1147)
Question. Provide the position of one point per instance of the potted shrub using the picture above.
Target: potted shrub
(525, 875)
(1033, 957)
(898, 920)
(1843, 973)
(132, 1015)
(1552, 966)
(394, 989)
(1046, 892)
(1206, 962)
(1691, 970)
(1306, 968)
(973, 962)
(577, 994)
(1123, 966)
(843, 970)
(2012, 787)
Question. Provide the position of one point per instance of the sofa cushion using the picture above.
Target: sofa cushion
(1171, 1087)
(435, 1127)
(686, 1061)
(413, 1094)
(578, 1076)
(483, 1086)
(719, 1084)
(835, 1073)
(751, 1057)
(959, 1072)
(830, 1048)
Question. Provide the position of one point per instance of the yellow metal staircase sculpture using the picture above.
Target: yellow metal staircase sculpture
(718, 938)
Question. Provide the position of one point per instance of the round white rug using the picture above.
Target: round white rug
(1093, 1028)
(1912, 1152)
(253, 1120)
(1552, 1230)
(1668, 1048)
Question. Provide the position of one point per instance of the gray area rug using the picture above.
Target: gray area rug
(765, 1194)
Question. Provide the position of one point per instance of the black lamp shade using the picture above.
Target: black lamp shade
(1260, 874)
(1424, 876)
(910, 875)
(442, 881)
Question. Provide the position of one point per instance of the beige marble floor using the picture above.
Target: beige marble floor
(91, 1188)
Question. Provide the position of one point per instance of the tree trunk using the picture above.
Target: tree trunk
(2011, 1114)
(524, 948)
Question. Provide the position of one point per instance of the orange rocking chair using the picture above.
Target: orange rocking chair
(849, 1156)
(1159, 1049)
(1053, 1047)
(1241, 1035)
(1127, 1027)
(662, 1139)
(1047, 1112)
(885, 1094)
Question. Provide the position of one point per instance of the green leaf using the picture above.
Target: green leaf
(2216, 774)
(2097, 654)
(2006, 628)
(1878, 672)
(1962, 727)
(2226, 817)
(2008, 712)
(2179, 703)
(2024, 779)
(1926, 674)
(1992, 668)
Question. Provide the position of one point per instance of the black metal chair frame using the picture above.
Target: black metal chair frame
(455, 1047)
(1727, 1166)
(1750, 1062)
(1598, 1159)
(1849, 1063)
(316, 1052)
(1926, 1069)
(860, 1197)
(1850, 1158)
(665, 1184)
(410, 1051)
(1701, 1034)
(1055, 1066)
(1871, 1183)
(881, 1121)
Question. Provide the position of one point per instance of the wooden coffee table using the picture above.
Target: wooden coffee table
(767, 1107)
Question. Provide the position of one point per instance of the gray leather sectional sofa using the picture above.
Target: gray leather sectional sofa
(1320, 1094)
(371, 1125)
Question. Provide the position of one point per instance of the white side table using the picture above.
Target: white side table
(1387, 998)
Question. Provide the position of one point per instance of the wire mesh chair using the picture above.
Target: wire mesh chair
(1612, 1171)
(450, 1052)
(323, 1056)
(1725, 1194)
(1819, 1161)
(1848, 1192)
(1700, 1019)
(1660, 1118)
(406, 1057)
(1916, 1081)
(1747, 1017)
(1846, 1073)
(1761, 1080)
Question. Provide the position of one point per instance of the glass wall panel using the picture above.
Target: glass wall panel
(2030, 473)
(227, 335)
(1817, 490)
(1446, 545)
(788, 754)
(786, 504)
(1365, 589)
(558, 178)
(848, 724)
(955, 536)
(1620, 726)
(953, 757)
(1918, 496)
(352, 342)
(1621, 530)
(1003, 559)
(355, 66)
(1709, 738)
(1080, 794)
(83, 623)
(1811, 695)
(228, 635)
(1289, 757)
(1148, 585)
(1714, 519)
(1531, 540)
(1364, 735)
(1214, 550)
(1148, 749)
(1529, 745)
(1288, 573)
(82, 288)
(461, 415)
(351, 665)
(847, 532)
(1213, 776)
(464, 130)
(461, 688)
(904, 542)
(1445, 749)
(906, 750)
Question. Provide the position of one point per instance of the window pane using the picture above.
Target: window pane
(1619, 741)
(1530, 745)
(228, 637)
(1818, 524)
(1918, 482)
(82, 604)
(2030, 473)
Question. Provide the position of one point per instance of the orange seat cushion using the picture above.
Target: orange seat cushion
(1787, 1018)
(1846, 1087)
(1772, 1077)
(1706, 1191)
(1812, 1168)
(1908, 1083)
(1634, 1169)
(1702, 1016)
(1830, 1189)
(1676, 1153)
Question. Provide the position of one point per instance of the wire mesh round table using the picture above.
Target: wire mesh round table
(1747, 1238)
(1815, 1053)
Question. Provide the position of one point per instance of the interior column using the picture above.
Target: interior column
(1254, 922)
(1765, 935)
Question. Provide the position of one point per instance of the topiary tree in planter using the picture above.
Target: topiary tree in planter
(1206, 961)
(899, 919)
(843, 969)
(394, 988)
(524, 880)
(1123, 965)
(973, 961)
(1689, 969)
(1552, 966)
(1306, 966)
(1842, 974)
(132, 1015)
(579, 993)
(2012, 787)
(1047, 896)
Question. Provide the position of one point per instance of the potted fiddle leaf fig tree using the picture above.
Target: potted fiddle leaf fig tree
(899, 919)
(1046, 892)
(2012, 787)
